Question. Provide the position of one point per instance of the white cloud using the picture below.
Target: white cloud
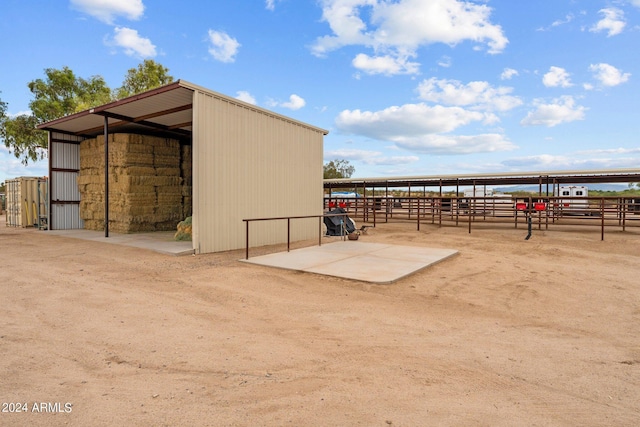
(541, 161)
(456, 144)
(270, 4)
(245, 96)
(416, 127)
(19, 113)
(608, 75)
(479, 95)
(561, 110)
(636, 3)
(351, 154)
(508, 74)
(295, 103)
(369, 157)
(445, 61)
(391, 161)
(133, 44)
(223, 47)
(407, 120)
(557, 77)
(107, 10)
(613, 22)
(387, 64)
(397, 29)
(11, 167)
(567, 19)
(610, 151)
(567, 162)
(559, 22)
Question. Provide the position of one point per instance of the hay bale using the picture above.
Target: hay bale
(146, 182)
(184, 230)
(172, 150)
(187, 207)
(167, 171)
(160, 161)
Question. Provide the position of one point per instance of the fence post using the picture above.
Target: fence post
(602, 216)
(374, 213)
(246, 250)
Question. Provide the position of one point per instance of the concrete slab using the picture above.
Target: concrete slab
(368, 262)
(160, 241)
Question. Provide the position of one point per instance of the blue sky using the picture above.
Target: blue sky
(405, 87)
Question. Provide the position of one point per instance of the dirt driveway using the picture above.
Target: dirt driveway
(544, 332)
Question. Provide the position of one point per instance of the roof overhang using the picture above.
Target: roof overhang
(165, 111)
(509, 178)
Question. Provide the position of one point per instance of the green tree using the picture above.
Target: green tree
(59, 94)
(62, 93)
(338, 169)
(21, 136)
(3, 117)
(148, 75)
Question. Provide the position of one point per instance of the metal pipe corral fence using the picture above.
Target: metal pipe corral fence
(545, 212)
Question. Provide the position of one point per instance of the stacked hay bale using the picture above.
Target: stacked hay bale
(186, 168)
(145, 183)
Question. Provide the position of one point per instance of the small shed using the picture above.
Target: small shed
(145, 162)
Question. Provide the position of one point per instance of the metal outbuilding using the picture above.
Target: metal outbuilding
(248, 162)
(26, 202)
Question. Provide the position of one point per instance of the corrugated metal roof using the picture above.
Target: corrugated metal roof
(165, 111)
(506, 178)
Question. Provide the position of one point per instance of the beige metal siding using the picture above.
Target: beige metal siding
(251, 164)
(26, 201)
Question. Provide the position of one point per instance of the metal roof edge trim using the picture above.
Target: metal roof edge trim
(104, 107)
(172, 86)
(195, 87)
(484, 175)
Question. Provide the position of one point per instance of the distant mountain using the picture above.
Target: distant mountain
(534, 188)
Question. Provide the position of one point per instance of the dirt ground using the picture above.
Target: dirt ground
(544, 332)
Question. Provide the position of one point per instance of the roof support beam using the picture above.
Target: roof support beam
(164, 112)
(106, 177)
(126, 119)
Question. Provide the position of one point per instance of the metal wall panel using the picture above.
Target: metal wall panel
(252, 164)
(65, 187)
(66, 217)
(65, 156)
(64, 163)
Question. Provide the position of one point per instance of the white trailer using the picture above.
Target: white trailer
(572, 199)
(487, 202)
